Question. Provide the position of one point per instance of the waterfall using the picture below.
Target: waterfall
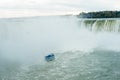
(109, 25)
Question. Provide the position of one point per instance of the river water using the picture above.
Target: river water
(85, 49)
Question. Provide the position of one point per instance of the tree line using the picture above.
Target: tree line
(100, 14)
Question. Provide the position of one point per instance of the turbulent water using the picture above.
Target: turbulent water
(85, 49)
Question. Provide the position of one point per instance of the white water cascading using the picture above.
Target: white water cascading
(109, 25)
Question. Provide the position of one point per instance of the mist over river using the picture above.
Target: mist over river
(85, 49)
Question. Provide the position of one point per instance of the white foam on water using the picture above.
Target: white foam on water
(30, 39)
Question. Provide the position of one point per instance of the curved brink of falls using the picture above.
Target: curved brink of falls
(110, 25)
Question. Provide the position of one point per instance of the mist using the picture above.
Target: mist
(28, 40)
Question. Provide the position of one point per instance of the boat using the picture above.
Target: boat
(50, 57)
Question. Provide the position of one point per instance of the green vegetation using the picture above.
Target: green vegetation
(100, 14)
